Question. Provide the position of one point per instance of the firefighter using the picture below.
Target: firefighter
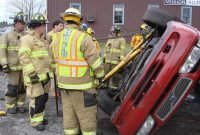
(136, 39)
(91, 32)
(84, 27)
(77, 65)
(34, 57)
(58, 26)
(114, 52)
(9, 47)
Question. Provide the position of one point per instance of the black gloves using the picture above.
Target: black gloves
(44, 82)
(104, 60)
(6, 68)
(34, 79)
(100, 80)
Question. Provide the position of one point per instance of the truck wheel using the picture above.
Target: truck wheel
(156, 17)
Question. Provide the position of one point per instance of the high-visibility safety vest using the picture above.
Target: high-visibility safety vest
(73, 71)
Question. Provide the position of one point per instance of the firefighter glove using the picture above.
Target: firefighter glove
(34, 79)
(100, 79)
(6, 68)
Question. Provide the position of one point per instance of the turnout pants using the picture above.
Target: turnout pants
(114, 81)
(15, 94)
(38, 96)
(76, 116)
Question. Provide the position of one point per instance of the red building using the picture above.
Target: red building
(102, 14)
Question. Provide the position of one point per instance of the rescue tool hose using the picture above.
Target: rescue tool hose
(130, 56)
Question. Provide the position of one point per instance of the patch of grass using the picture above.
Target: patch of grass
(102, 45)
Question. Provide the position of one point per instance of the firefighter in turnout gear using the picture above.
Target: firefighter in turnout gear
(91, 32)
(114, 52)
(136, 39)
(34, 57)
(9, 47)
(77, 65)
(84, 27)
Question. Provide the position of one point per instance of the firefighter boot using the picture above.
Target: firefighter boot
(12, 110)
(45, 122)
(21, 109)
(40, 127)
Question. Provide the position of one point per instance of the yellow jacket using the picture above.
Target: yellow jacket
(34, 56)
(136, 40)
(114, 50)
(49, 36)
(9, 47)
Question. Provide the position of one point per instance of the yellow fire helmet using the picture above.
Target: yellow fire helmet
(90, 31)
(72, 14)
(37, 19)
(20, 17)
(144, 27)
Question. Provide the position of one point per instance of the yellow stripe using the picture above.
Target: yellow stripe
(112, 61)
(89, 133)
(76, 86)
(97, 63)
(28, 68)
(115, 50)
(3, 61)
(37, 118)
(42, 77)
(101, 74)
(73, 131)
(16, 68)
(38, 53)
(20, 103)
(25, 49)
(3, 46)
(13, 48)
(8, 106)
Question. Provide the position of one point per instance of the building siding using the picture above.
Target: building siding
(102, 10)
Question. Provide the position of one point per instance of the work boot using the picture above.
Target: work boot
(21, 109)
(45, 122)
(12, 110)
(40, 127)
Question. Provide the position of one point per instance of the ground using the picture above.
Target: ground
(19, 124)
(185, 122)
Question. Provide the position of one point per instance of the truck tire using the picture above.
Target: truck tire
(156, 17)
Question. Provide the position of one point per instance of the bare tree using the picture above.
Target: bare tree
(28, 7)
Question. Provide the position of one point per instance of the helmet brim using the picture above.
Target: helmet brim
(64, 15)
(37, 22)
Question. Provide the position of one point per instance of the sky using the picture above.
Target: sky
(4, 14)
(6, 11)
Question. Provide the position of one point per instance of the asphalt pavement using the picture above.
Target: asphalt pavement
(185, 122)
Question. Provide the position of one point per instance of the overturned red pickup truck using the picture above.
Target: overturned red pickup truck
(161, 84)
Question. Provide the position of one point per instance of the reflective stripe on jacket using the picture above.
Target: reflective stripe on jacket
(34, 56)
(77, 60)
(114, 50)
(9, 47)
